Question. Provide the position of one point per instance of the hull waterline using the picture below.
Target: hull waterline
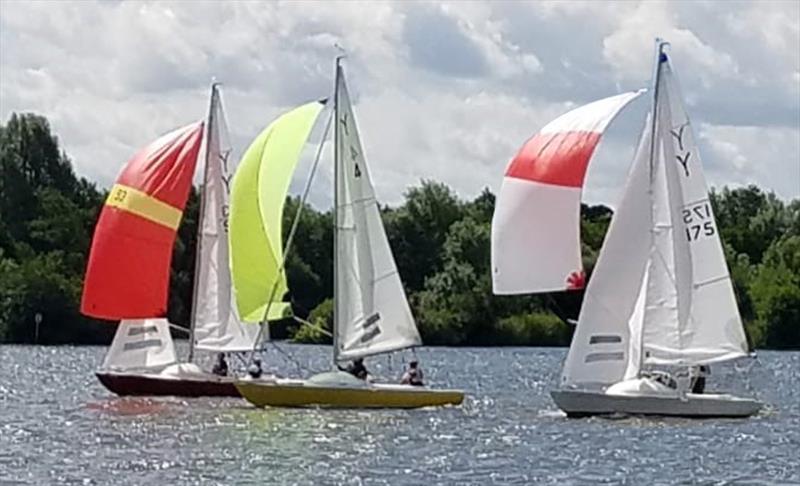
(581, 403)
(143, 384)
(304, 394)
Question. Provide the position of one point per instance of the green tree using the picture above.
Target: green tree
(417, 230)
(441, 245)
(742, 273)
(184, 254)
(46, 215)
(532, 329)
(29, 159)
(320, 318)
(481, 209)
(750, 220)
(42, 285)
(309, 268)
(775, 291)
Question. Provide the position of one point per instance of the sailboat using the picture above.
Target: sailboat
(660, 305)
(128, 273)
(371, 312)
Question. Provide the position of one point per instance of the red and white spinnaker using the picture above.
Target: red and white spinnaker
(536, 224)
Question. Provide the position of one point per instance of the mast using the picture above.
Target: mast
(659, 58)
(201, 218)
(336, 206)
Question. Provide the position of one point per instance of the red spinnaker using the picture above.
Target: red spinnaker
(129, 265)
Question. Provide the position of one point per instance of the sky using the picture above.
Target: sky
(447, 91)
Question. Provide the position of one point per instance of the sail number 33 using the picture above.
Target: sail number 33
(698, 220)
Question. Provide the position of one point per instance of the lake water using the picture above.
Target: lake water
(58, 425)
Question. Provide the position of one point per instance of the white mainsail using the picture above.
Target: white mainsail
(140, 344)
(371, 311)
(215, 322)
(660, 292)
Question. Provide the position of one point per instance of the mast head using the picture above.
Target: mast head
(660, 45)
(341, 53)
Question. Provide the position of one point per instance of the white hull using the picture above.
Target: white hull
(582, 403)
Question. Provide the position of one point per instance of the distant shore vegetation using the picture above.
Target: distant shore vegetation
(440, 242)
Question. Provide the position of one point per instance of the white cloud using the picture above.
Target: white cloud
(742, 155)
(629, 49)
(447, 91)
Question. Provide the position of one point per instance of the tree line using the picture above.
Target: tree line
(440, 242)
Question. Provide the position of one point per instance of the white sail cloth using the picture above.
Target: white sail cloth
(601, 346)
(216, 324)
(140, 344)
(691, 314)
(660, 292)
(371, 311)
(536, 225)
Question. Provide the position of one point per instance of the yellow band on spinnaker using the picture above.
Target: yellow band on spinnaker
(141, 204)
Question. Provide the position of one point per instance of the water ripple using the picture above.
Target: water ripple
(59, 426)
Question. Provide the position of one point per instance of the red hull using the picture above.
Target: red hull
(149, 385)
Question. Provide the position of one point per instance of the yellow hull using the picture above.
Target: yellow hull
(303, 394)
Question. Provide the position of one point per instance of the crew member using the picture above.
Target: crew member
(221, 366)
(413, 375)
(255, 368)
(357, 369)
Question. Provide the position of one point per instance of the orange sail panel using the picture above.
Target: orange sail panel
(129, 265)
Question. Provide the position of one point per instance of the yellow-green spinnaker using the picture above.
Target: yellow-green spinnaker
(258, 193)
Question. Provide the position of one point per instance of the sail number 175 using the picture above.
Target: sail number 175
(699, 222)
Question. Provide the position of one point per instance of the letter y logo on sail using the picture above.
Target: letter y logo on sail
(683, 159)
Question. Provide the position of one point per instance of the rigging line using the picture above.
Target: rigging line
(293, 230)
(291, 358)
(178, 328)
(313, 326)
(558, 311)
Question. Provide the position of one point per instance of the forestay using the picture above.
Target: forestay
(216, 324)
(140, 344)
(536, 225)
(372, 314)
(258, 194)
